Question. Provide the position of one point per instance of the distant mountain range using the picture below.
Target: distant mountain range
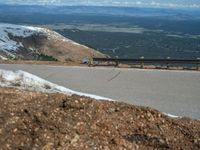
(116, 31)
(99, 10)
(27, 42)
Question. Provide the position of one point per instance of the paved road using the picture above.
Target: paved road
(174, 92)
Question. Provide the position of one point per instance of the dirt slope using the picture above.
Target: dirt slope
(35, 43)
(55, 121)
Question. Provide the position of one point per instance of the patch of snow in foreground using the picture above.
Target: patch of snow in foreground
(172, 116)
(27, 81)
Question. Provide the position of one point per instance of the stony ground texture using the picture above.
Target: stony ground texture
(30, 120)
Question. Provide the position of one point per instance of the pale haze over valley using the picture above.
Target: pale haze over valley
(140, 3)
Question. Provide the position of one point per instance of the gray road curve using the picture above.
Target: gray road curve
(174, 92)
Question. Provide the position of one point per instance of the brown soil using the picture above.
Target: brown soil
(32, 62)
(72, 63)
(30, 120)
(51, 44)
(67, 50)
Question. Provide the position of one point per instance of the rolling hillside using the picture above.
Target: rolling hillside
(35, 43)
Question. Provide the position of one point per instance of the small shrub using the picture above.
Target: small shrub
(46, 86)
(44, 57)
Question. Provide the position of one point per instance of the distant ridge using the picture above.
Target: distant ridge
(27, 42)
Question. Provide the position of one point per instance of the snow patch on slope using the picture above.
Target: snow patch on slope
(26, 81)
(9, 45)
(3, 58)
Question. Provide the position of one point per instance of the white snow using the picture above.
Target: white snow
(27, 81)
(3, 58)
(9, 45)
(172, 116)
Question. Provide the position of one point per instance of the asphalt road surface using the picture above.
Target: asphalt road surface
(174, 92)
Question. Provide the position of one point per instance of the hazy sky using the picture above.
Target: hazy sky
(145, 3)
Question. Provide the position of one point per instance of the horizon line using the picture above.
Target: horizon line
(114, 6)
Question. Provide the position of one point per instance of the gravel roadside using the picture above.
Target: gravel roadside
(32, 120)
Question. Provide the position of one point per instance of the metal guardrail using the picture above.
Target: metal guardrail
(143, 61)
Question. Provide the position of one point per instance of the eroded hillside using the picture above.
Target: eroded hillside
(35, 43)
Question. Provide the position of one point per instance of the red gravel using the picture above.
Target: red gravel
(31, 120)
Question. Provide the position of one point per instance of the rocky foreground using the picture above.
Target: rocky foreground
(31, 120)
